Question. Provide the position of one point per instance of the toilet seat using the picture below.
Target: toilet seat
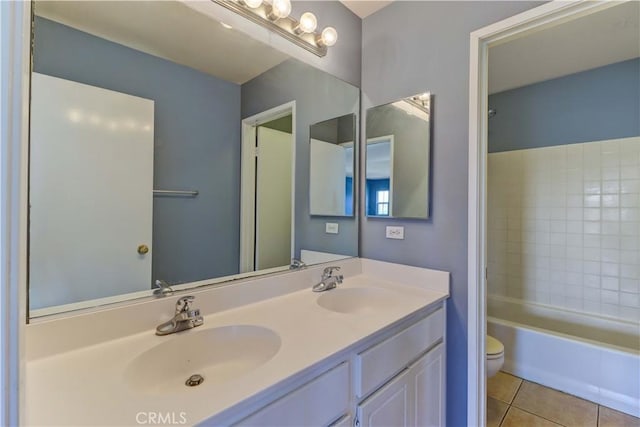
(494, 348)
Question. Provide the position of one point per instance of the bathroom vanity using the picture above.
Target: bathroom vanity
(271, 352)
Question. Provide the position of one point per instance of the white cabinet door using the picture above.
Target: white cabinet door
(427, 377)
(345, 421)
(415, 397)
(389, 406)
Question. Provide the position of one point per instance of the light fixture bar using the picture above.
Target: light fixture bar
(283, 26)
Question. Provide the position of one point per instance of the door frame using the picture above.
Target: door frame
(15, 34)
(536, 19)
(248, 181)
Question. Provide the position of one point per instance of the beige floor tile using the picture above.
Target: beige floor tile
(495, 411)
(503, 386)
(556, 406)
(611, 418)
(519, 418)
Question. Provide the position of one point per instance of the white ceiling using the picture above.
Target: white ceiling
(169, 30)
(364, 8)
(599, 39)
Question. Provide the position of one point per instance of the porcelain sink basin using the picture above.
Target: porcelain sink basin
(358, 300)
(216, 354)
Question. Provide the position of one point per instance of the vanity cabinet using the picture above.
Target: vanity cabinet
(395, 379)
(317, 403)
(415, 397)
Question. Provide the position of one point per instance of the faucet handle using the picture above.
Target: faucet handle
(183, 304)
(296, 264)
(327, 272)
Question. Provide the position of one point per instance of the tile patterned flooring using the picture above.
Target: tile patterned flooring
(514, 402)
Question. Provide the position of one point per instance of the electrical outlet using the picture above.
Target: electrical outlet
(395, 232)
(331, 228)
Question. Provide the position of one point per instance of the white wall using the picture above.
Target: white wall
(564, 226)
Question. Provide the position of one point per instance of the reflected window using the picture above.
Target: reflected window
(382, 202)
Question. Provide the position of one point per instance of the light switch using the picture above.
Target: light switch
(395, 232)
(331, 228)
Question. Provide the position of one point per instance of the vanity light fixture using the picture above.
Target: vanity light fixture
(275, 16)
(253, 4)
(307, 24)
(329, 37)
(421, 101)
(279, 9)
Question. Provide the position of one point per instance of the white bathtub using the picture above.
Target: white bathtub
(592, 357)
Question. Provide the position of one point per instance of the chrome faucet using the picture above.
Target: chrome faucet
(161, 288)
(185, 318)
(328, 281)
(296, 264)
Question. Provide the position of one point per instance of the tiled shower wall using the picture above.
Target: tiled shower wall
(564, 226)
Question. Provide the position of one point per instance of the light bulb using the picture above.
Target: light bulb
(329, 37)
(280, 9)
(253, 4)
(307, 24)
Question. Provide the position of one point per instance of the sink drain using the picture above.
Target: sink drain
(194, 380)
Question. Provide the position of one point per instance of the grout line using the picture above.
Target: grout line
(504, 416)
(517, 391)
(549, 388)
(540, 416)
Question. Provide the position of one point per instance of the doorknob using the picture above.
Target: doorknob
(143, 249)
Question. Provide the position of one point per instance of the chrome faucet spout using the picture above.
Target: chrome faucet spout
(296, 264)
(184, 318)
(161, 288)
(328, 280)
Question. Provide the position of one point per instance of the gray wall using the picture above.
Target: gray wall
(413, 47)
(598, 104)
(197, 134)
(336, 130)
(343, 59)
(319, 96)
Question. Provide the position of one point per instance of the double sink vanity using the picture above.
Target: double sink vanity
(161, 287)
(269, 352)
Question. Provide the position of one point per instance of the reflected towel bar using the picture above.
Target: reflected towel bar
(179, 193)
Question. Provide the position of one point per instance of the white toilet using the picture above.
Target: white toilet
(495, 356)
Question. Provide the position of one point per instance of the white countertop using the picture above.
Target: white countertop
(86, 386)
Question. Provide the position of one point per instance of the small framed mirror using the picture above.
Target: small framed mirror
(332, 162)
(398, 146)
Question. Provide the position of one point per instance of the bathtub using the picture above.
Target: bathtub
(593, 357)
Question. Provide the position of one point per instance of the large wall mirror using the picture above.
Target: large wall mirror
(168, 149)
(398, 146)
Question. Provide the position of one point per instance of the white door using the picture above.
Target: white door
(327, 178)
(389, 406)
(273, 198)
(428, 386)
(91, 192)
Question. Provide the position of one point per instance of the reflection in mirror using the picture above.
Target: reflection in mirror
(137, 153)
(331, 166)
(397, 158)
(379, 176)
